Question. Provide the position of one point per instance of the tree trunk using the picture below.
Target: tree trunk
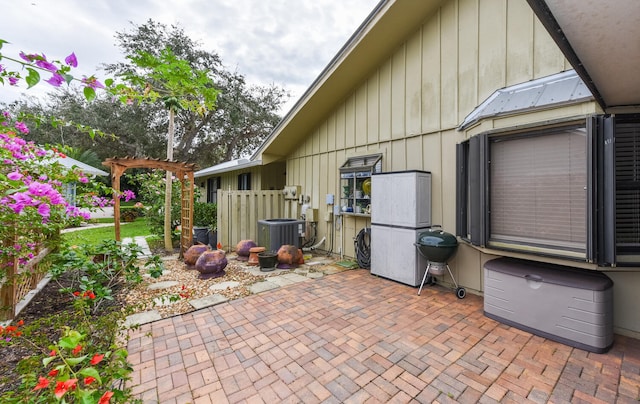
(168, 243)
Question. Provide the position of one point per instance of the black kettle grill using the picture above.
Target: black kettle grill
(437, 247)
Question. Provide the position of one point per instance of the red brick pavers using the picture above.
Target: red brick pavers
(354, 338)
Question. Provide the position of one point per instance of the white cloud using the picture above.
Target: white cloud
(285, 42)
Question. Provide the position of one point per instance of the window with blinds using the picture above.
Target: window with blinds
(213, 185)
(571, 192)
(538, 192)
(627, 161)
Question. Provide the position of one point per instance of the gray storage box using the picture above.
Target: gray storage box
(569, 305)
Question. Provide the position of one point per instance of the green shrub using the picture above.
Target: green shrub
(205, 215)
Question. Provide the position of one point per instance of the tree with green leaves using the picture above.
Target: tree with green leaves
(178, 86)
(244, 116)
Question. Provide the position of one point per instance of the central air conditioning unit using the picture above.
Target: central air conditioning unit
(274, 233)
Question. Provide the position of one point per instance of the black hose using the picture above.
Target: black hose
(363, 248)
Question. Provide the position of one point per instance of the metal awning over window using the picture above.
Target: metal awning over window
(371, 163)
(559, 89)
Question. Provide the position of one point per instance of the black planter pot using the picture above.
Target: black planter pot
(201, 235)
(267, 261)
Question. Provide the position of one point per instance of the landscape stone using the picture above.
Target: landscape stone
(207, 301)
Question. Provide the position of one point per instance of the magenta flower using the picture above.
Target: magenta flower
(71, 60)
(92, 82)
(56, 80)
(27, 58)
(83, 180)
(39, 189)
(13, 81)
(21, 200)
(43, 63)
(14, 176)
(44, 210)
(22, 127)
(128, 195)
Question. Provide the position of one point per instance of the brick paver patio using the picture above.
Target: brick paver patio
(354, 338)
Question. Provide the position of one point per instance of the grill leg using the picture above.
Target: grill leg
(452, 278)
(424, 278)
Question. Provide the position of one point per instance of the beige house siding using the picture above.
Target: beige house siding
(409, 107)
(268, 177)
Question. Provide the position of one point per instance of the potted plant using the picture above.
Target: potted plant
(205, 227)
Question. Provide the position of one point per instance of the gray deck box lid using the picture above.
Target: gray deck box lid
(549, 273)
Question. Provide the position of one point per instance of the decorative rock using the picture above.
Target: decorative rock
(242, 249)
(207, 301)
(288, 256)
(193, 253)
(211, 264)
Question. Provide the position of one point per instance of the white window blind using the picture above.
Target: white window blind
(538, 190)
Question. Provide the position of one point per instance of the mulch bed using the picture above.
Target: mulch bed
(48, 302)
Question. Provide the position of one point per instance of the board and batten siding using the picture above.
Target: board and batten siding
(409, 106)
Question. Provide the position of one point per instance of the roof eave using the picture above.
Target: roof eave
(387, 26)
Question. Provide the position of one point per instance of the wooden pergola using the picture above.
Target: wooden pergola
(183, 171)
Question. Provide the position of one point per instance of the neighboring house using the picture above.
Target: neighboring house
(529, 158)
(70, 191)
(238, 175)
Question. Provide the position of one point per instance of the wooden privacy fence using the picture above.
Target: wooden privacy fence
(18, 279)
(239, 212)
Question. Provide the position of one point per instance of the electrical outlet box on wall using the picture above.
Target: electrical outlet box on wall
(292, 191)
(311, 215)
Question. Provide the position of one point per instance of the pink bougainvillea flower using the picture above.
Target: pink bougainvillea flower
(83, 180)
(43, 63)
(56, 80)
(14, 176)
(43, 383)
(27, 58)
(105, 397)
(128, 195)
(13, 81)
(44, 210)
(97, 358)
(22, 127)
(77, 349)
(71, 60)
(92, 82)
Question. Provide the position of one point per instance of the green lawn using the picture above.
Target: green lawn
(95, 235)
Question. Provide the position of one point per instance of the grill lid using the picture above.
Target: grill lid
(437, 238)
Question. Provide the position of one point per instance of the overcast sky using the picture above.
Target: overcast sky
(284, 42)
